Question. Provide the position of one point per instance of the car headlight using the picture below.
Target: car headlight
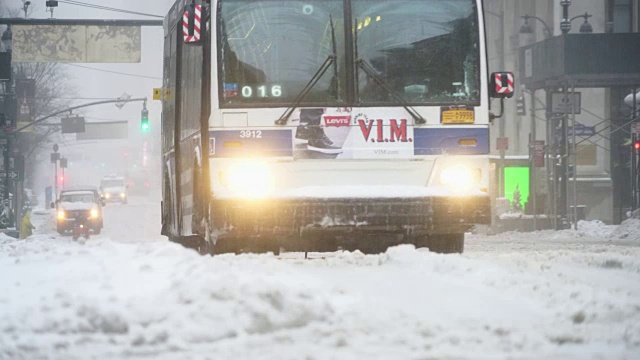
(107, 195)
(94, 213)
(460, 178)
(61, 215)
(249, 178)
(122, 195)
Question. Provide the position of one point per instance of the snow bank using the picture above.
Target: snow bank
(93, 296)
(542, 295)
(594, 228)
(629, 230)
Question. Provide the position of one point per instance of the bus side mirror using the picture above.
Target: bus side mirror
(501, 85)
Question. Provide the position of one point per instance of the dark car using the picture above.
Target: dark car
(81, 202)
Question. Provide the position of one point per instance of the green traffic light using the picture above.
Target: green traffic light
(144, 125)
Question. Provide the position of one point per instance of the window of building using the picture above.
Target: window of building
(619, 16)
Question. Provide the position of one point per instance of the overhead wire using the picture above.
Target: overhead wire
(100, 7)
(115, 72)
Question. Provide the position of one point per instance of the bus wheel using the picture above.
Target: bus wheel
(205, 248)
(205, 245)
(441, 243)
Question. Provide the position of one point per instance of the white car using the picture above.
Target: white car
(114, 189)
(74, 204)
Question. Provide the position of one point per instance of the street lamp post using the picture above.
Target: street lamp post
(526, 28)
(6, 40)
(565, 23)
(586, 27)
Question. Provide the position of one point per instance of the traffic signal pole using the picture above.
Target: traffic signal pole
(112, 101)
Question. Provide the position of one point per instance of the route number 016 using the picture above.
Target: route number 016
(262, 91)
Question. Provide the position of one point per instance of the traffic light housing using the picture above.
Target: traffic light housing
(521, 105)
(636, 147)
(144, 123)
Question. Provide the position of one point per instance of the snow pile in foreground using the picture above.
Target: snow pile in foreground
(543, 295)
(100, 298)
(629, 230)
(68, 296)
(595, 228)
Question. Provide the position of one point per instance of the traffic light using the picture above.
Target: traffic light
(521, 106)
(636, 147)
(144, 124)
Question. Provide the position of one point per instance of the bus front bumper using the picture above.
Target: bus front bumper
(429, 215)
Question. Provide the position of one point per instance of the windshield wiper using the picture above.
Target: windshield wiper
(314, 80)
(362, 64)
(335, 82)
(330, 60)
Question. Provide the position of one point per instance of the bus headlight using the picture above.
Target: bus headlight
(123, 195)
(94, 213)
(460, 178)
(249, 178)
(107, 196)
(61, 215)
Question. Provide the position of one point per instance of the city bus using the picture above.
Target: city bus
(320, 125)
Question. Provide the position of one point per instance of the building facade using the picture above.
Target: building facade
(602, 153)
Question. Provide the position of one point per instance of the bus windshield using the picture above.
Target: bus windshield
(271, 49)
(424, 51)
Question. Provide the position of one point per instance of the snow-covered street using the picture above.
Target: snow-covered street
(129, 293)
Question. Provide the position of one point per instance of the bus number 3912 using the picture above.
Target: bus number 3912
(251, 134)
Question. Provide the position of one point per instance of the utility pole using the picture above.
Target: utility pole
(54, 159)
(8, 121)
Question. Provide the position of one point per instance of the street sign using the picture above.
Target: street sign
(538, 153)
(562, 103)
(123, 100)
(25, 88)
(55, 157)
(582, 130)
(12, 175)
(104, 131)
(76, 43)
(502, 143)
(63, 163)
(12, 164)
(157, 93)
(72, 125)
(635, 128)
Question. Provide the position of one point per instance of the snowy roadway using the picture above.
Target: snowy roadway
(128, 293)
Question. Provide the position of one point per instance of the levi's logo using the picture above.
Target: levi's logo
(337, 120)
(375, 131)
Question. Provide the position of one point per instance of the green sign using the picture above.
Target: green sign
(516, 178)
